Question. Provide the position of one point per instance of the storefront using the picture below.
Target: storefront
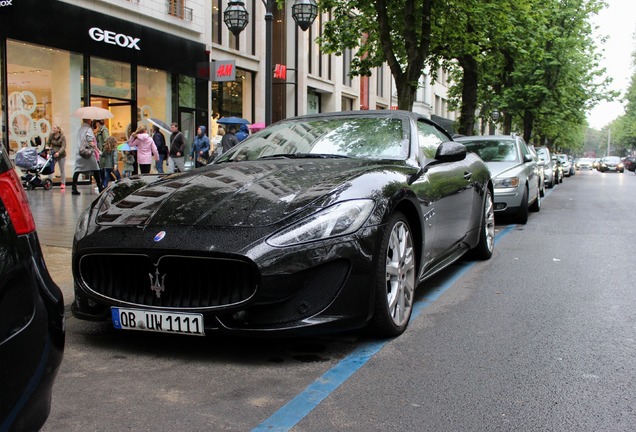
(57, 57)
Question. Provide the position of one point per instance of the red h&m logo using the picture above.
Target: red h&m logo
(280, 71)
(224, 70)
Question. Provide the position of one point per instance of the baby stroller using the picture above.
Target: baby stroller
(36, 165)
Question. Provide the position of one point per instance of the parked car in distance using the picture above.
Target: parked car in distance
(629, 163)
(568, 169)
(611, 163)
(314, 224)
(31, 312)
(549, 167)
(558, 170)
(541, 167)
(514, 170)
(583, 163)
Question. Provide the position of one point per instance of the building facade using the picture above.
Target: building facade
(139, 59)
(145, 59)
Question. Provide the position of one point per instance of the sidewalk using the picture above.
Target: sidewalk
(56, 212)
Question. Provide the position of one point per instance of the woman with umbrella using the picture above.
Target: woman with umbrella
(86, 165)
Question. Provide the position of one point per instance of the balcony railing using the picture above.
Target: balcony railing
(178, 9)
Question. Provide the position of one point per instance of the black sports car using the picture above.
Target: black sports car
(31, 312)
(314, 224)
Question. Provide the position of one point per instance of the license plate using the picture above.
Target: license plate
(155, 321)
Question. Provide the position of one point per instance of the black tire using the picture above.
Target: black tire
(522, 215)
(30, 186)
(395, 279)
(48, 184)
(486, 245)
(551, 184)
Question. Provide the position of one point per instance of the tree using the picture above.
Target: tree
(397, 32)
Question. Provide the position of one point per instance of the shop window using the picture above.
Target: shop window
(44, 87)
(111, 79)
(187, 92)
(154, 95)
(228, 97)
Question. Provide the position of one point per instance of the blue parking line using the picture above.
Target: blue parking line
(290, 414)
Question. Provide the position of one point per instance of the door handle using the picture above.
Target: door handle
(468, 175)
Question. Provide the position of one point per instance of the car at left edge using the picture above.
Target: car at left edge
(32, 328)
(315, 224)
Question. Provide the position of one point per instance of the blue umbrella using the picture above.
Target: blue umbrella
(232, 120)
(125, 147)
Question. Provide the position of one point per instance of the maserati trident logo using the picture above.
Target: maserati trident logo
(157, 282)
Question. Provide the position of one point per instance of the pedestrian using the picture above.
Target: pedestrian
(87, 156)
(162, 148)
(176, 158)
(216, 148)
(57, 144)
(229, 139)
(101, 133)
(146, 148)
(129, 160)
(108, 161)
(243, 133)
(200, 148)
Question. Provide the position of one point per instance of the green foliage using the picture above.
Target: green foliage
(396, 32)
(536, 61)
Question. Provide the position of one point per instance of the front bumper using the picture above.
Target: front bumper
(296, 290)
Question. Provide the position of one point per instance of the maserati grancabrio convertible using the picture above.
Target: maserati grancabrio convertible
(314, 224)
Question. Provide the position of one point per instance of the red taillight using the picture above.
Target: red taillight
(16, 203)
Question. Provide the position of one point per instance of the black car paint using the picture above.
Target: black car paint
(237, 203)
(31, 324)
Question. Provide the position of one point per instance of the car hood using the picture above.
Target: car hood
(502, 169)
(233, 194)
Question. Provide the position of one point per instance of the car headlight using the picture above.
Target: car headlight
(82, 223)
(620, 165)
(506, 182)
(340, 219)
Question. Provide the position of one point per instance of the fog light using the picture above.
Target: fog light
(500, 206)
(239, 316)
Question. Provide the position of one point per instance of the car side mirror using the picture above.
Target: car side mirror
(527, 158)
(450, 151)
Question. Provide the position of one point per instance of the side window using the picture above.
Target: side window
(524, 148)
(429, 138)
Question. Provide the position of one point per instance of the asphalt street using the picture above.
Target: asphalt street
(539, 338)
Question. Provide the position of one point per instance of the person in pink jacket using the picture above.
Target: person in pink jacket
(146, 148)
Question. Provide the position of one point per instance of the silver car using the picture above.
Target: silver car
(550, 168)
(514, 171)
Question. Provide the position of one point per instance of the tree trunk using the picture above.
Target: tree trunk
(528, 124)
(406, 95)
(469, 95)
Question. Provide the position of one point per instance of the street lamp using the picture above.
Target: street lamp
(236, 19)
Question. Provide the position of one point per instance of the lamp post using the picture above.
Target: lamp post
(494, 116)
(236, 19)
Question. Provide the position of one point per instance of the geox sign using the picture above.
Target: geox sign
(113, 38)
(4, 3)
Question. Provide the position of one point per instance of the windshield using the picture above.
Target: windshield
(612, 159)
(494, 150)
(360, 137)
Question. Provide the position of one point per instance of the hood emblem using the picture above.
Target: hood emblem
(159, 236)
(157, 283)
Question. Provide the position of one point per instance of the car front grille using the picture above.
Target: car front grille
(172, 281)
